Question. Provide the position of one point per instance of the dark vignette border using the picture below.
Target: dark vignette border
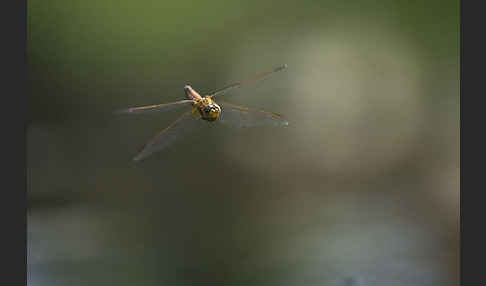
(14, 116)
(472, 144)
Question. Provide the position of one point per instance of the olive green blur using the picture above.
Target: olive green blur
(361, 188)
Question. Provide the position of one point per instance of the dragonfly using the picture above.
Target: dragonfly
(204, 108)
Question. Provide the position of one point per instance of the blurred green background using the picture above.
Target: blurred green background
(362, 187)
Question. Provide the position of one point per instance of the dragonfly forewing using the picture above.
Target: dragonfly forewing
(254, 78)
(156, 107)
(175, 131)
(239, 116)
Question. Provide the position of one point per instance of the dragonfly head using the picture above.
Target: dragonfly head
(211, 112)
(208, 109)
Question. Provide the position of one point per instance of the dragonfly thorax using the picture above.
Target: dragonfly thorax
(207, 108)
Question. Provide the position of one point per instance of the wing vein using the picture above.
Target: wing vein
(155, 107)
(248, 80)
(150, 147)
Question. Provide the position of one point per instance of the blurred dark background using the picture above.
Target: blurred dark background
(362, 187)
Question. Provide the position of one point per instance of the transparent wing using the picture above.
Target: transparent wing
(248, 80)
(240, 116)
(176, 130)
(156, 107)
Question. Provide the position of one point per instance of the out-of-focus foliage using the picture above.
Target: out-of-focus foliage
(362, 187)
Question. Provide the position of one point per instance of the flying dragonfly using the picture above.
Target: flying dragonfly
(204, 108)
